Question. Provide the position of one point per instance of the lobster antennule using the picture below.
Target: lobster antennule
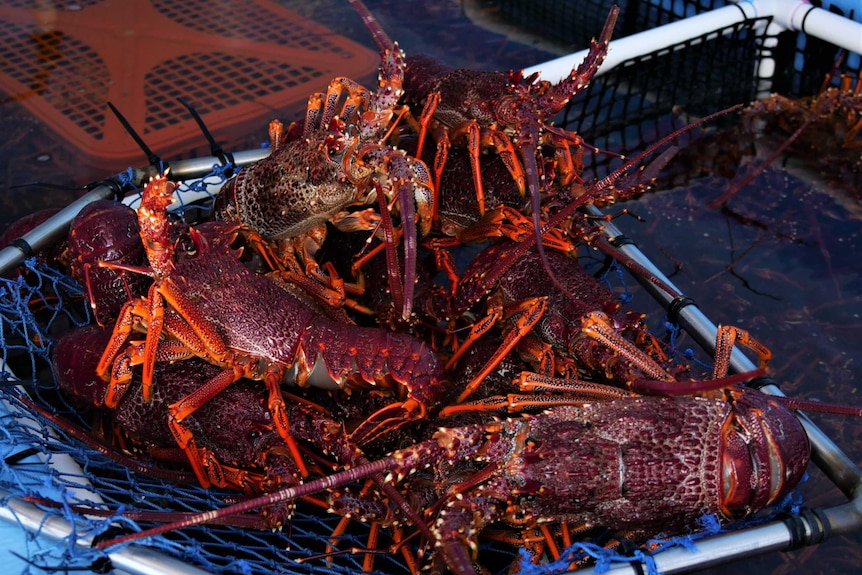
(383, 41)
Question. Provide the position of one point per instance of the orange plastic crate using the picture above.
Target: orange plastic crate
(237, 65)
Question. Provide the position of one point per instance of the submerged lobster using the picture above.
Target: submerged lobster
(199, 304)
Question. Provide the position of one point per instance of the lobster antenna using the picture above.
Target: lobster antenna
(608, 181)
(244, 521)
(81, 435)
(152, 158)
(383, 41)
(650, 171)
(529, 153)
(284, 495)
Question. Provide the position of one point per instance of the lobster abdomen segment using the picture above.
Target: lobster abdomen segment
(631, 464)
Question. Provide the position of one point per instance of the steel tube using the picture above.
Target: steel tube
(133, 559)
(54, 227)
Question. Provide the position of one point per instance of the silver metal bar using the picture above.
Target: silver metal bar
(134, 560)
(716, 550)
(54, 227)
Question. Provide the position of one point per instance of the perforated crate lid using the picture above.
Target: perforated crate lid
(235, 65)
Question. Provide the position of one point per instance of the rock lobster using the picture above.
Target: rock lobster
(318, 169)
(205, 302)
(638, 463)
(501, 110)
(234, 431)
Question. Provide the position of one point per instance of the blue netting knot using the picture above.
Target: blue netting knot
(792, 502)
(126, 177)
(709, 525)
(218, 170)
(603, 563)
(241, 566)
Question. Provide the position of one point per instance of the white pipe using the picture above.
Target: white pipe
(802, 16)
(648, 41)
(766, 64)
(788, 14)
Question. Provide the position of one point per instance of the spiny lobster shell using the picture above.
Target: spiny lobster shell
(297, 188)
(106, 231)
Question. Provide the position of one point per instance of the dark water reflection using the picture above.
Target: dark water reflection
(781, 259)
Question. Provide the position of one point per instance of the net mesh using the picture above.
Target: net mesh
(623, 111)
(658, 93)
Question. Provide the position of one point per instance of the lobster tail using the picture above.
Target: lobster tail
(393, 363)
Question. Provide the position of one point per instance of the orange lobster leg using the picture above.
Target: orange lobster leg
(597, 325)
(189, 404)
(574, 388)
(567, 392)
(121, 369)
(424, 121)
(726, 337)
(532, 312)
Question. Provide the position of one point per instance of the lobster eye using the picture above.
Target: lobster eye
(186, 247)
